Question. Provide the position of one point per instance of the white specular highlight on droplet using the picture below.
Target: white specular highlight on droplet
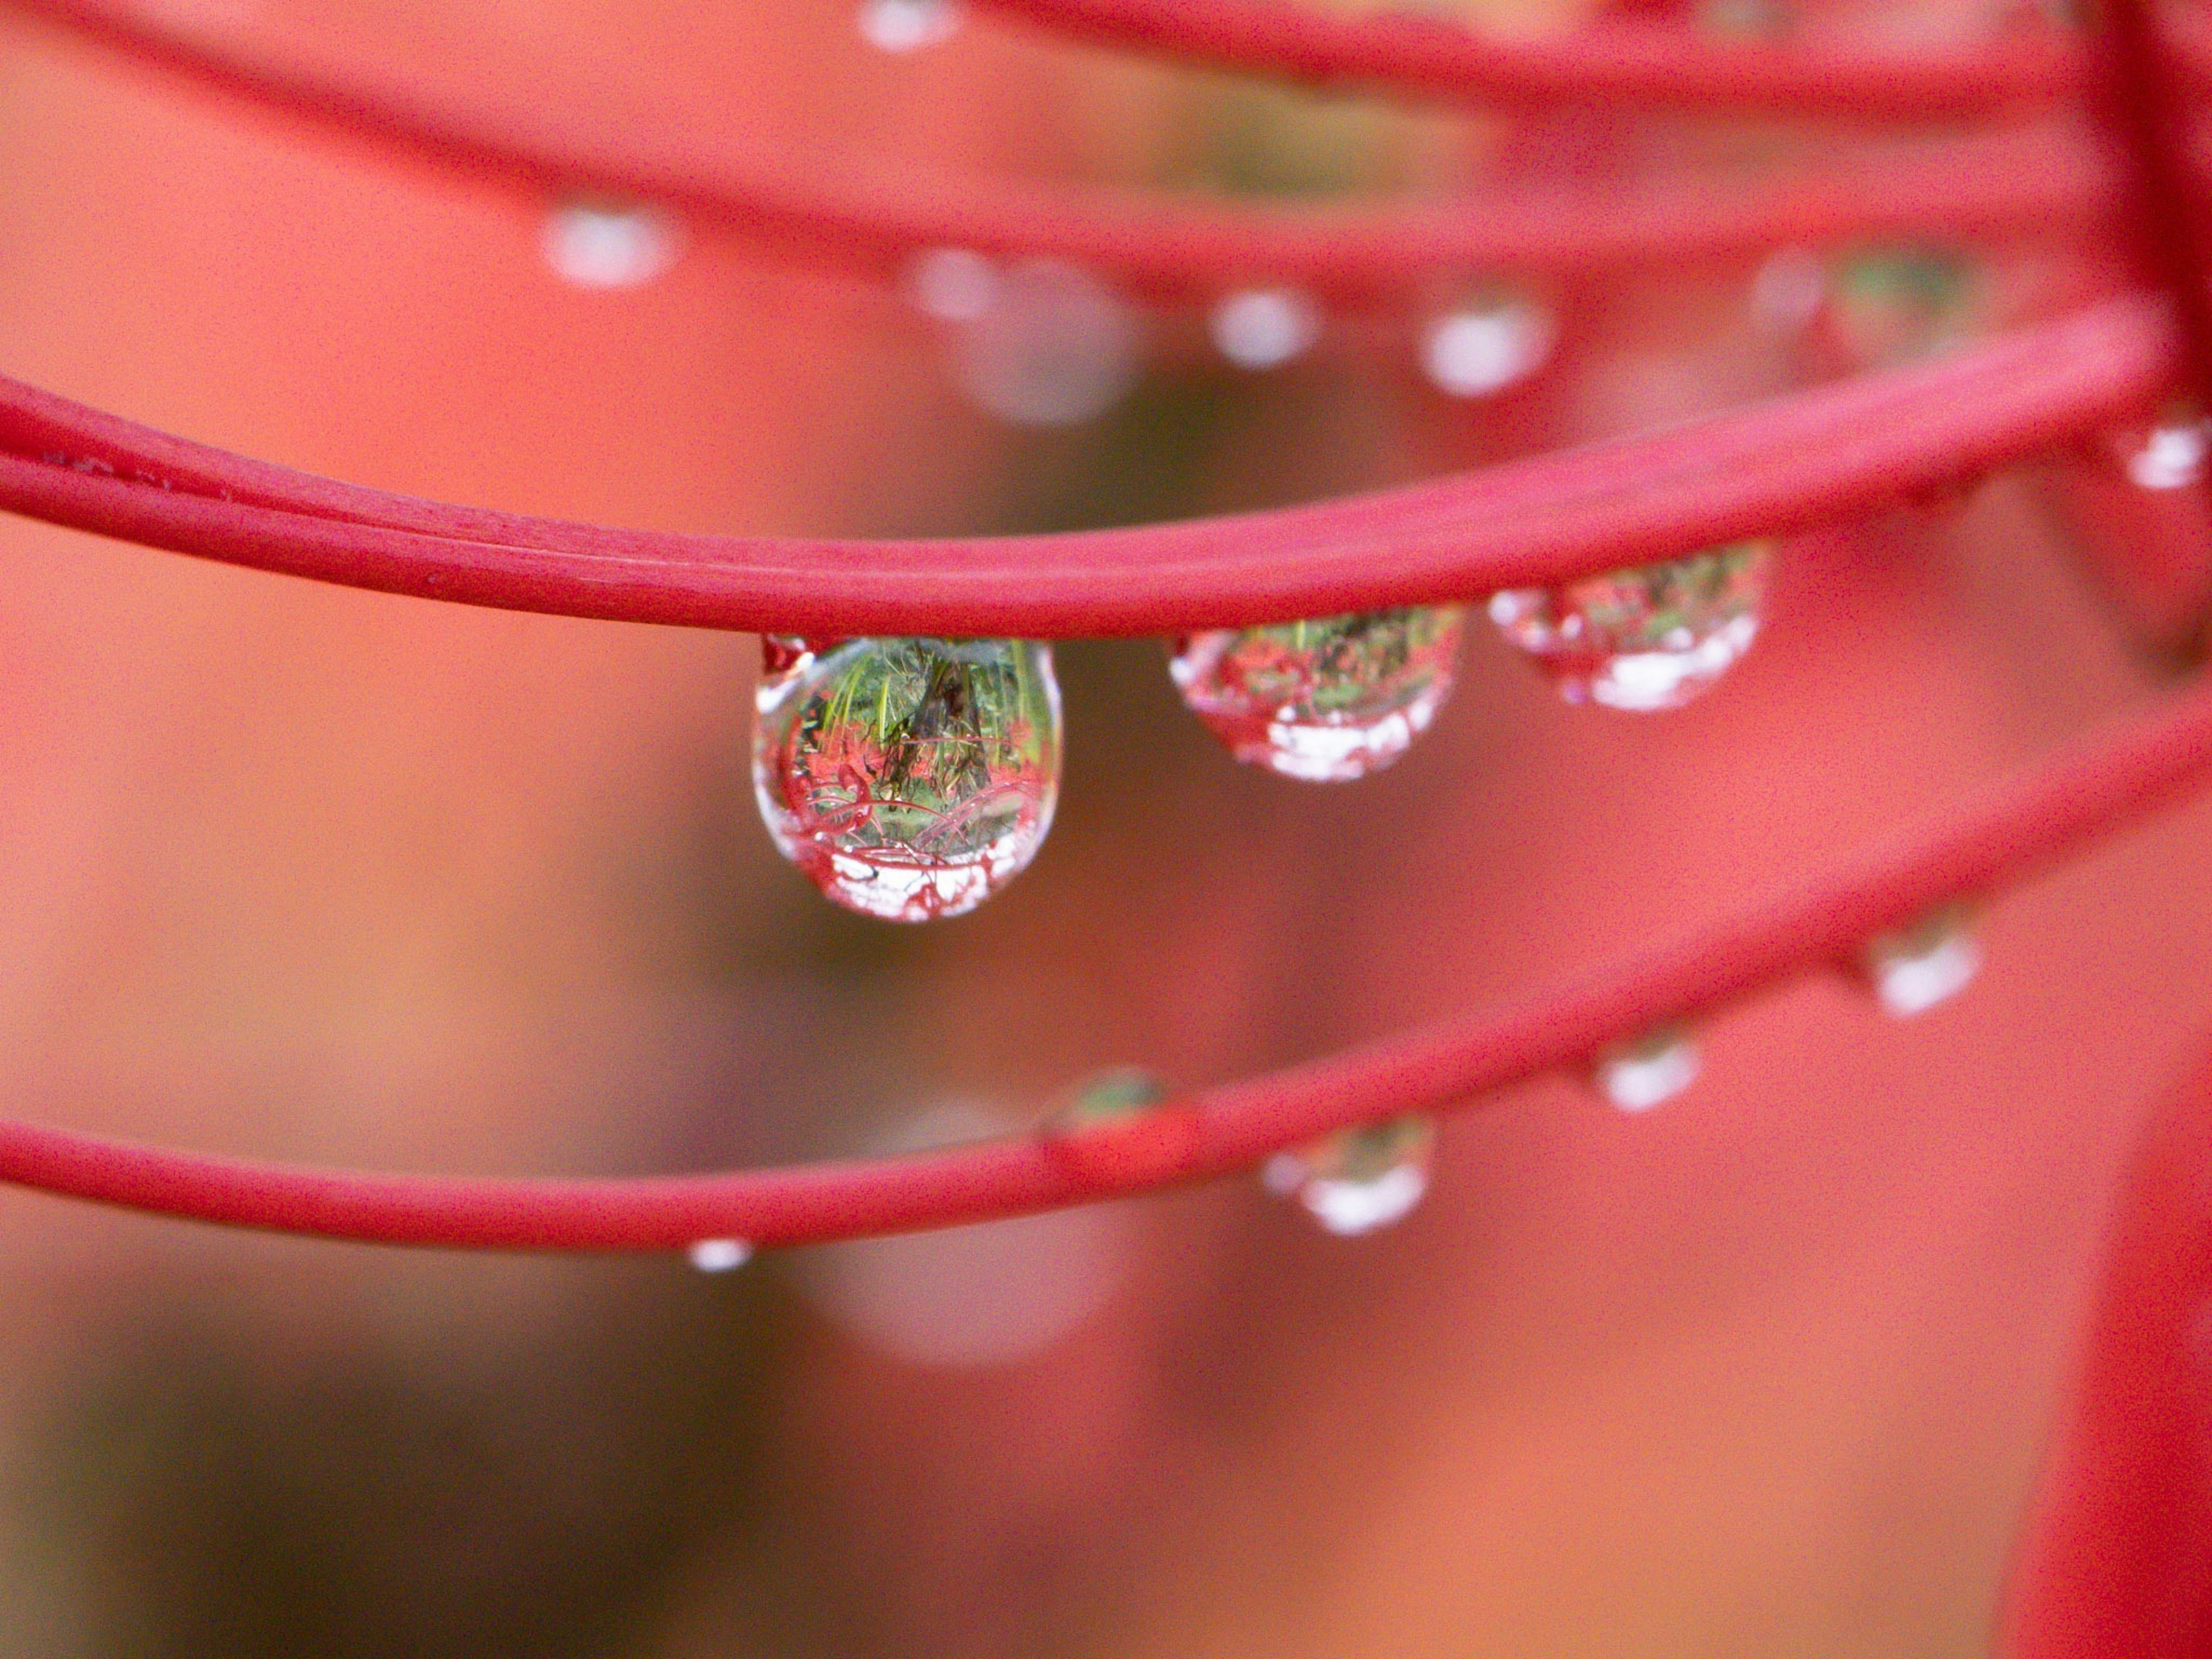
(719, 1256)
(1483, 348)
(2171, 458)
(1052, 345)
(904, 25)
(1264, 327)
(1638, 1076)
(597, 245)
(1916, 967)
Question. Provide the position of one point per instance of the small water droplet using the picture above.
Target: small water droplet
(903, 26)
(2170, 457)
(1646, 639)
(1912, 968)
(1327, 700)
(1745, 19)
(1264, 327)
(1642, 1072)
(1051, 345)
(608, 245)
(1358, 1180)
(908, 778)
(1787, 290)
(1896, 305)
(1113, 1095)
(720, 1255)
(1486, 345)
(952, 284)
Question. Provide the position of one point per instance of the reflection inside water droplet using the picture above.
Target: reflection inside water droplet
(1913, 969)
(1327, 700)
(1639, 1074)
(908, 778)
(1360, 1179)
(1643, 640)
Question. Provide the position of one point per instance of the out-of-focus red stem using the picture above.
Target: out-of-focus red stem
(1652, 65)
(2016, 831)
(1790, 465)
(873, 213)
(2114, 1561)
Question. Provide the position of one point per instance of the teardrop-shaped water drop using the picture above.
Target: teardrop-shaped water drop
(719, 1256)
(1261, 328)
(1487, 344)
(1890, 306)
(908, 778)
(1914, 967)
(1326, 700)
(1358, 1180)
(1046, 343)
(610, 245)
(903, 26)
(1646, 639)
(1643, 1071)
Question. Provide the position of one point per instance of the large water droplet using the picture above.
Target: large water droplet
(1914, 967)
(1643, 1071)
(1893, 306)
(901, 25)
(1049, 345)
(1646, 639)
(908, 778)
(610, 245)
(1264, 327)
(719, 1256)
(1358, 1180)
(1325, 699)
(1487, 344)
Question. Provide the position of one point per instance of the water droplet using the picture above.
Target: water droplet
(720, 1255)
(1051, 345)
(1646, 639)
(1638, 1074)
(952, 284)
(1915, 968)
(1324, 701)
(1787, 290)
(1113, 1095)
(1487, 345)
(1745, 19)
(2170, 457)
(610, 245)
(908, 778)
(1358, 1180)
(901, 25)
(1264, 327)
(1894, 305)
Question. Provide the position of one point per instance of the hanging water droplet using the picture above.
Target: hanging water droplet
(901, 25)
(609, 243)
(1638, 1074)
(1895, 305)
(1915, 968)
(908, 778)
(719, 1256)
(1264, 327)
(2171, 455)
(1487, 345)
(1109, 1096)
(952, 284)
(1051, 345)
(1646, 639)
(1358, 1180)
(1327, 700)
